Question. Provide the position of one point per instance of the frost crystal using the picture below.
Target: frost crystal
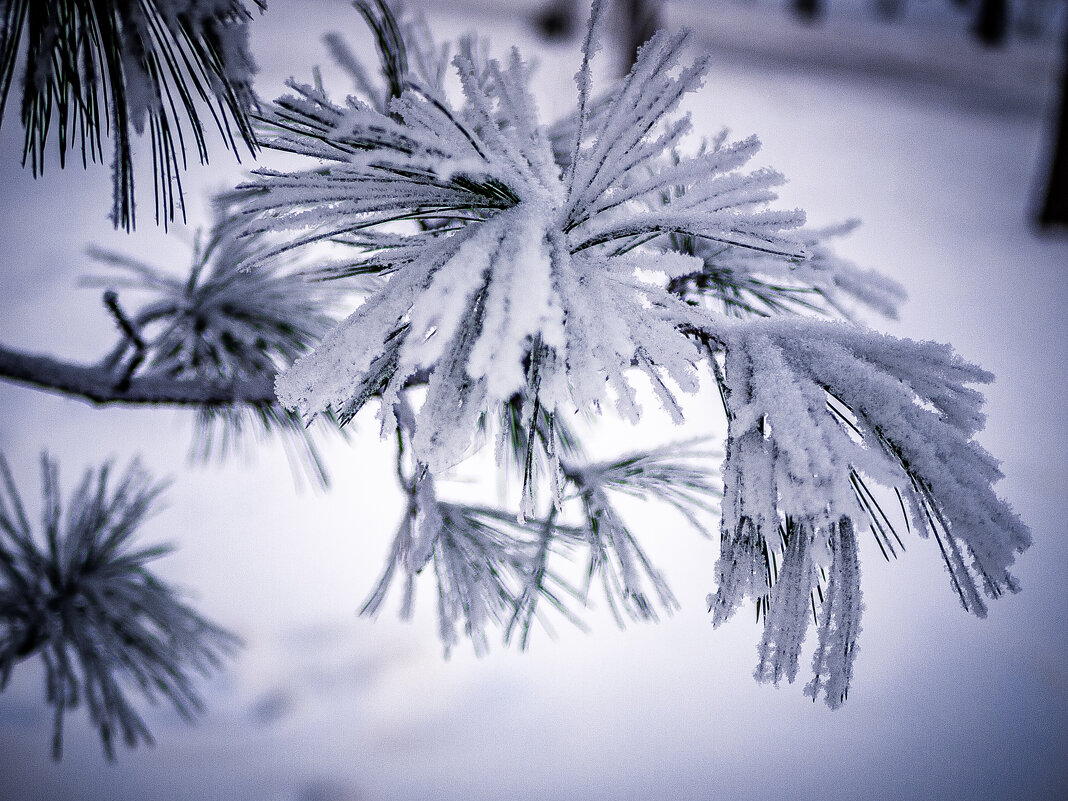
(522, 272)
(812, 407)
(522, 276)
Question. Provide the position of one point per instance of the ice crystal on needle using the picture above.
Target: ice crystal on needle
(524, 276)
(524, 270)
(813, 407)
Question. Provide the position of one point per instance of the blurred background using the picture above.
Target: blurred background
(930, 120)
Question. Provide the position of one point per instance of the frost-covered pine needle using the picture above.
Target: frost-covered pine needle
(742, 282)
(506, 272)
(95, 70)
(220, 324)
(81, 596)
(489, 568)
(526, 272)
(793, 454)
(494, 570)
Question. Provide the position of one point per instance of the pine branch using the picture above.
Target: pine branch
(122, 67)
(503, 273)
(103, 386)
(82, 597)
(212, 339)
(492, 569)
(524, 273)
(816, 410)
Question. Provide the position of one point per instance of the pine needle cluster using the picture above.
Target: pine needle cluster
(506, 277)
(525, 272)
(81, 596)
(97, 70)
(219, 324)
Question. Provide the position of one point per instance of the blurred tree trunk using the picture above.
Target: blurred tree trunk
(1054, 210)
(641, 19)
(992, 22)
(558, 19)
(890, 9)
(637, 21)
(808, 10)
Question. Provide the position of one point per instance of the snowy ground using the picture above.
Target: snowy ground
(322, 705)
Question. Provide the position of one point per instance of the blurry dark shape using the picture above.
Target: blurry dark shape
(890, 9)
(641, 19)
(991, 24)
(558, 19)
(1054, 212)
(808, 10)
(1033, 18)
(84, 600)
(271, 707)
(104, 68)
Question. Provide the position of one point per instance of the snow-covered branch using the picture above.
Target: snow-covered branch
(522, 273)
(504, 271)
(541, 269)
(81, 596)
(813, 407)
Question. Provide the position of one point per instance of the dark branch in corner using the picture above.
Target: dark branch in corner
(103, 386)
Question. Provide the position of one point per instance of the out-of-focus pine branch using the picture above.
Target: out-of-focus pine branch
(211, 340)
(101, 385)
(81, 596)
